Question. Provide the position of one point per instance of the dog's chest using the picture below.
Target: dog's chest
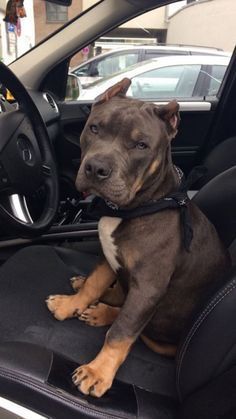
(106, 228)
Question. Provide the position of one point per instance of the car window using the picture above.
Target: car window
(113, 64)
(216, 76)
(83, 71)
(186, 29)
(158, 53)
(174, 81)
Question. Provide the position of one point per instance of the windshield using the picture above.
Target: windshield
(177, 29)
(26, 23)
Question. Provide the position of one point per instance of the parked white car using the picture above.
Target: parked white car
(167, 77)
(120, 58)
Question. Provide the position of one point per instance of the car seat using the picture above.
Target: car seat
(221, 158)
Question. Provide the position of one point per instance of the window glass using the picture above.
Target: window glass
(56, 13)
(216, 77)
(83, 70)
(174, 81)
(116, 63)
(183, 30)
(155, 54)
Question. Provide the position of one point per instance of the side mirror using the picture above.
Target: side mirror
(73, 87)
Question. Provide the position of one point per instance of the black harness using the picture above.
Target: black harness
(176, 200)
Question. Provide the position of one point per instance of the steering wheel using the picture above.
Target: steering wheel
(26, 160)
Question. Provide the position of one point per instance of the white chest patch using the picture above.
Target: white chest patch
(106, 226)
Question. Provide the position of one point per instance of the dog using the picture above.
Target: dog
(147, 268)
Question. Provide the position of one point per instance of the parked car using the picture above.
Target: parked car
(119, 59)
(47, 236)
(168, 77)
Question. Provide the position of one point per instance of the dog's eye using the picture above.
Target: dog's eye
(94, 129)
(141, 145)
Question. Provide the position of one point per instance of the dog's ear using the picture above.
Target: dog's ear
(119, 89)
(170, 114)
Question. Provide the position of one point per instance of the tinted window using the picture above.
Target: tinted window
(168, 82)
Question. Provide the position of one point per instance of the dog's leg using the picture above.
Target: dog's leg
(66, 306)
(145, 292)
(96, 377)
(114, 296)
(101, 314)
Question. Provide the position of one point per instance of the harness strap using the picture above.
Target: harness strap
(176, 200)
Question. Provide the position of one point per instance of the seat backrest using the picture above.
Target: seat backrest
(208, 349)
(217, 200)
(221, 158)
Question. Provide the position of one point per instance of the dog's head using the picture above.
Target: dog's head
(125, 145)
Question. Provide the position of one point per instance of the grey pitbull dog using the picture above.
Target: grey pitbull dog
(126, 159)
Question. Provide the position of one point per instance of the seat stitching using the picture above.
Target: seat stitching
(219, 297)
(199, 321)
(206, 311)
(137, 400)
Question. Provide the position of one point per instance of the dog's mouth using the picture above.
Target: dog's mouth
(118, 196)
(113, 190)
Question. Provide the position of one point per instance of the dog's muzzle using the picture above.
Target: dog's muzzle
(97, 170)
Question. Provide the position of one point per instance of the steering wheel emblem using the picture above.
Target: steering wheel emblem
(26, 154)
(25, 150)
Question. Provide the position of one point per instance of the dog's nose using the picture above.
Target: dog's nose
(97, 169)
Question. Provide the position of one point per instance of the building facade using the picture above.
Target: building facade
(198, 21)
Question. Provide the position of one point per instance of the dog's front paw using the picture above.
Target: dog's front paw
(99, 315)
(62, 306)
(90, 380)
(77, 282)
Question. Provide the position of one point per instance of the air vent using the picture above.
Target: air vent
(51, 102)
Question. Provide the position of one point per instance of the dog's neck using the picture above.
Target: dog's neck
(170, 183)
(167, 180)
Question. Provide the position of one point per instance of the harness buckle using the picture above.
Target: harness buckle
(183, 202)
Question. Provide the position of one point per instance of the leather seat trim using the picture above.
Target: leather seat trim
(46, 390)
(221, 295)
(121, 398)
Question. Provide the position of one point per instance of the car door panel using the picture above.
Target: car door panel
(191, 136)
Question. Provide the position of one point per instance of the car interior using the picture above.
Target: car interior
(47, 237)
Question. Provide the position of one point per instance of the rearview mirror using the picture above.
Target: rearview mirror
(61, 2)
(73, 87)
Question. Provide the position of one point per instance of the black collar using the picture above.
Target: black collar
(177, 200)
